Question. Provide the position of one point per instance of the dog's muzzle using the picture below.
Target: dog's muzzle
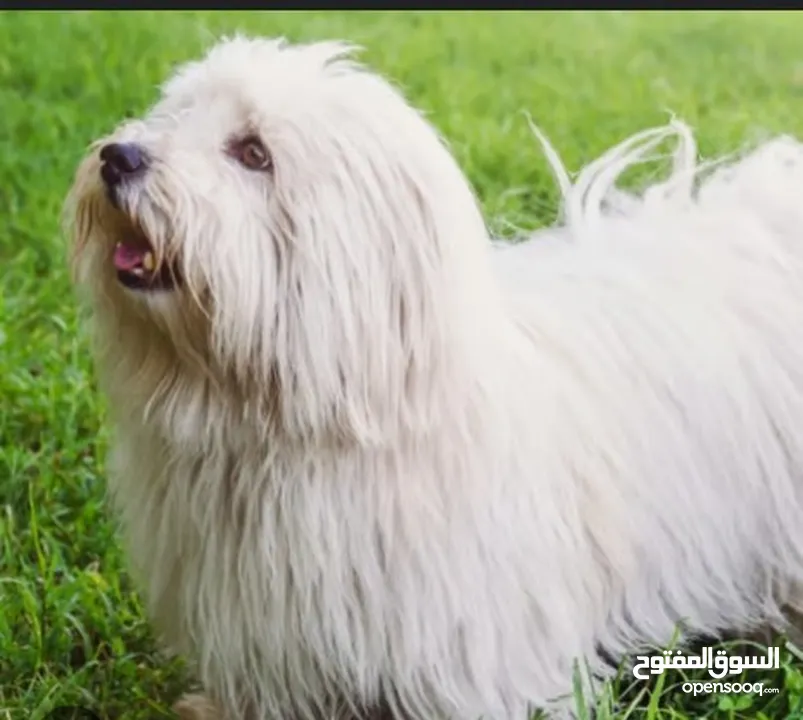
(134, 257)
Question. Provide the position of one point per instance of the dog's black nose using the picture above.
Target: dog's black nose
(119, 161)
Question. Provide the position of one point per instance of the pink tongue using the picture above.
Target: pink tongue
(128, 257)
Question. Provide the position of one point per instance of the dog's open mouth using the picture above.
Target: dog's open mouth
(137, 267)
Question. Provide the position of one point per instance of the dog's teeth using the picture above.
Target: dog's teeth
(148, 262)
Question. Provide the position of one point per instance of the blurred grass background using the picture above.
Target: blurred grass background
(71, 625)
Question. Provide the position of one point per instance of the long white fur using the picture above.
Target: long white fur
(366, 453)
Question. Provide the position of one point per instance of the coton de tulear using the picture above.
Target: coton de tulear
(370, 464)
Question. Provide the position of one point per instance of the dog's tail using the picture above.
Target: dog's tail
(766, 181)
(595, 193)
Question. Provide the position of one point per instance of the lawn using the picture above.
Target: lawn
(72, 630)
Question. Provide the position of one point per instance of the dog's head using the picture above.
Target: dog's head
(283, 222)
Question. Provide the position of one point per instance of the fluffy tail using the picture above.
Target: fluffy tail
(595, 193)
(766, 182)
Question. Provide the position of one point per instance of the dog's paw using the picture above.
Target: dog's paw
(197, 707)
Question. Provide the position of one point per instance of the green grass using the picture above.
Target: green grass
(71, 625)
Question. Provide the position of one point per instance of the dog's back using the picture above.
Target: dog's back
(672, 321)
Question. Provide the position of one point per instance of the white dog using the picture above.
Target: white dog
(367, 462)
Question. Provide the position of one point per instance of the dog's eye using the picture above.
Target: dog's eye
(251, 153)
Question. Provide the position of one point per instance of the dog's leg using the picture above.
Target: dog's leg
(197, 707)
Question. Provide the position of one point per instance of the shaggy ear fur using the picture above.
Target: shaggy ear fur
(362, 339)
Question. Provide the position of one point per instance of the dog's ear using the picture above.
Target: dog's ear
(359, 327)
(372, 277)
